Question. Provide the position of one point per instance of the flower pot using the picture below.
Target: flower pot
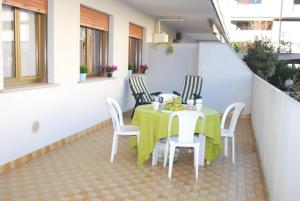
(109, 74)
(129, 72)
(82, 76)
(143, 72)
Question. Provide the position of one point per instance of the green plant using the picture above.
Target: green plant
(262, 58)
(84, 69)
(282, 73)
(131, 66)
(170, 48)
(240, 46)
(284, 47)
(236, 47)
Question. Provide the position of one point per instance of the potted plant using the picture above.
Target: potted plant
(170, 49)
(110, 70)
(130, 68)
(83, 71)
(143, 68)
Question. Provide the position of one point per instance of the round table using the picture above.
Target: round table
(154, 126)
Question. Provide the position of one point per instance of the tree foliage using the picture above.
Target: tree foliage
(262, 58)
(282, 73)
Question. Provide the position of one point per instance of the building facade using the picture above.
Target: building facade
(276, 20)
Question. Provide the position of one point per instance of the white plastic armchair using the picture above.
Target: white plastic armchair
(185, 138)
(118, 125)
(229, 132)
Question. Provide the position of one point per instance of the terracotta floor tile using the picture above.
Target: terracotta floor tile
(81, 170)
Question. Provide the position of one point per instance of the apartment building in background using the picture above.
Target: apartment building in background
(276, 20)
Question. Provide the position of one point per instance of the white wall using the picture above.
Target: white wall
(166, 72)
(70, 106)
(275, 121)
(227, 78)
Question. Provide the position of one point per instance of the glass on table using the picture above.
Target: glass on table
(155, 105)
(162, 106)
(190, 104)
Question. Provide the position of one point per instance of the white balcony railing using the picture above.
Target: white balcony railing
(276, 124)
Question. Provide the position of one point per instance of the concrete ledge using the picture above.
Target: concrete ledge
(28, 87)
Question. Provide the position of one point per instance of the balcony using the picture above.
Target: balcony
(81, 170)
(55, 137)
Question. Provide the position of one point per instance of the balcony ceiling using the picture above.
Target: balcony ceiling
(196, 14)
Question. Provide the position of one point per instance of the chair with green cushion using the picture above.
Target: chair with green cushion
(191, 89)
(140, 92)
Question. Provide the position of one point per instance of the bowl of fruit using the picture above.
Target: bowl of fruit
(174, 104)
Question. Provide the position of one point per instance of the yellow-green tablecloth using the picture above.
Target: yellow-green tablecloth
(154, 126)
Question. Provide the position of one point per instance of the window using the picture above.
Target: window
(297, 2)
(93, 50)
(93, 41)
(135, 46)
(24, 46)
(253, 25)
(135, 52)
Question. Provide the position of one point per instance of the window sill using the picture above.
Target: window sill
(27, 87)
(96, 79)
(137, 74)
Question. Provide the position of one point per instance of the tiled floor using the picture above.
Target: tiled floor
(81, 170)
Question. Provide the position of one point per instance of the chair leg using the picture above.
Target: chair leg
(154, 155)
(166, 153)
(171, 159)
(113, 148)
(138, 139)
(136, 104)
(226, 146)
(116, 146)
(233, 150)
(196, 158)
(202, 149)
(132, 113)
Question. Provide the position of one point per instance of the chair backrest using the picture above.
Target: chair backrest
(115, 112)
(237, 109)
(187, 123)
(192, 85)
(137, 85)
(166, 97)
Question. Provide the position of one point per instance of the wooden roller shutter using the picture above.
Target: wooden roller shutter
(32, 5)
(93, 19)
(135, 31)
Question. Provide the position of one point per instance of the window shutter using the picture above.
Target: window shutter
(32, 5)
(93, 19)
(135, 31)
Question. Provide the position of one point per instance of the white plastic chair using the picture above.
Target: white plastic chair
(118, 125)
(229, 132)
(185, 138)
(167, 97)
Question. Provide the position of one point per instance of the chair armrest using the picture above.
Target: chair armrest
(176, 93)
(196, 96)
(138, 96)
(155, 93)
